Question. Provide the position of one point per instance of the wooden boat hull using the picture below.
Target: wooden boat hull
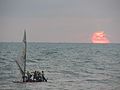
(25, 82)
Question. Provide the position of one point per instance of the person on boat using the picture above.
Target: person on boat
(24, 78)
(35, 75)
(29, 76)
(43, 78)
(32, 78)
(38, 76)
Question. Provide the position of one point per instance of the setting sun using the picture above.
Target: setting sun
(99, 37)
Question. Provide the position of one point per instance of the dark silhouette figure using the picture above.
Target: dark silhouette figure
(43, 78)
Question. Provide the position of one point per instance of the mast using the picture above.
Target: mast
(25, 50)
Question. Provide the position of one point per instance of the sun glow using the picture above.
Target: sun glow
(99, 37)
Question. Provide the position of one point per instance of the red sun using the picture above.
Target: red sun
(99, 37)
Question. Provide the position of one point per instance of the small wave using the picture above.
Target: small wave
(97, 52)
(105, 81)
(86, 71)
(32, 61)
(100, 68)
(8, 52)
(2, 58)
(117, 88)
(2, 62)
(87, 61)
(70, 72)
(94, 80)
(39, 59)
(118, 77)
(91, 80)
(48, 52)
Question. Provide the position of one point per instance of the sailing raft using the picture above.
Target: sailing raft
(27, 76)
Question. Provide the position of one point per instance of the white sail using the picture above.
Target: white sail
(21, 60)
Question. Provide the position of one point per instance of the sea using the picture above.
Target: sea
(67, 66)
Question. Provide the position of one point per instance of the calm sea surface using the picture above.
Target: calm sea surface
(67, 66)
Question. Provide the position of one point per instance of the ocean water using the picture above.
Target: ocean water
(68, 66)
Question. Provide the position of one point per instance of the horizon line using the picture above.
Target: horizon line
(56, 42)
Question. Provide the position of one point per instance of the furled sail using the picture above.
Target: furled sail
(21, 60)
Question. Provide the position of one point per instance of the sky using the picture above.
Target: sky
(68, 21)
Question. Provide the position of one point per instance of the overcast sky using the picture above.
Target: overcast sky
(59, 20)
